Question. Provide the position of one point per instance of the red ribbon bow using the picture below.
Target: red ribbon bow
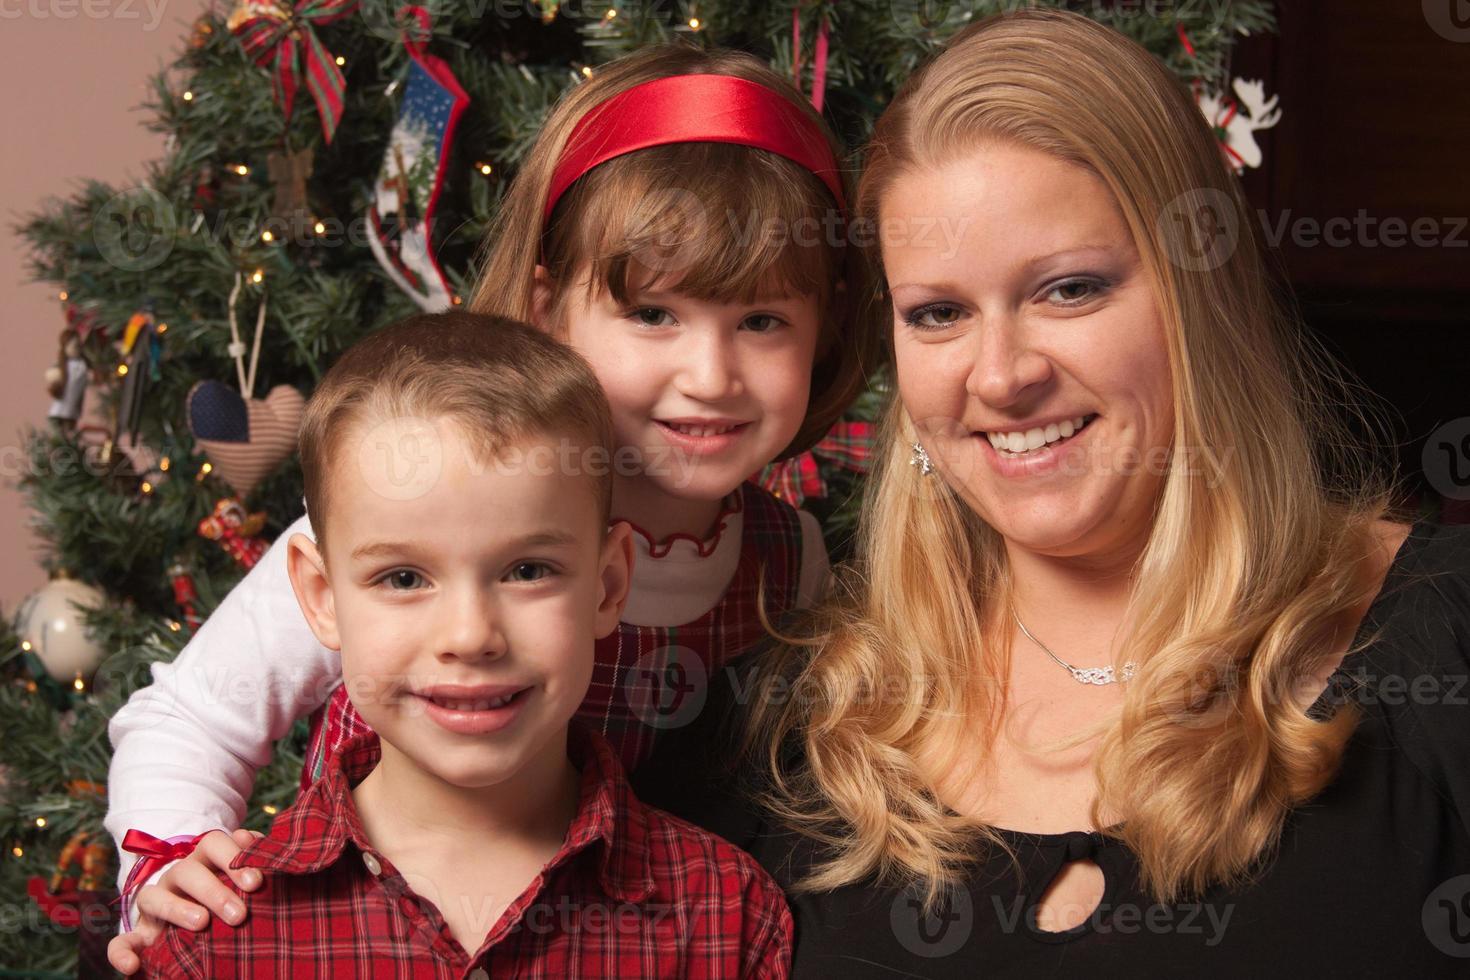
(847, 444)
(155, 854)
(272, 34)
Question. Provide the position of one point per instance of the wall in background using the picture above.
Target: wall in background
(73, 76)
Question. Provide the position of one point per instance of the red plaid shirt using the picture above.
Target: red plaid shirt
(633, 892)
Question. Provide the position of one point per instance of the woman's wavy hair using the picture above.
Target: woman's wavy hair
(1258, 551)
(717, 221)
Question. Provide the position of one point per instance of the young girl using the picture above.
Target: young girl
(679, 222)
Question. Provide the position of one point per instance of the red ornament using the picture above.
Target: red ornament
(185, 595)
(236, 531)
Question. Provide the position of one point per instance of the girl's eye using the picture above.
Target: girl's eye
(1075, 292)
(933, 317)
(762, 322)
(652, 316)
(402, 580)
(529, 571)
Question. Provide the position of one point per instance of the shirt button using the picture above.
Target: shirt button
(373, 866)
(478, 973)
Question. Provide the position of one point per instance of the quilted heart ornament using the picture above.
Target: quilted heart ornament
(244, 439)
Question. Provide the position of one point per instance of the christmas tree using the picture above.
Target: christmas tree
(330, 168)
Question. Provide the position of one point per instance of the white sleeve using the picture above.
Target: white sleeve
(187, 747)
(816, 570)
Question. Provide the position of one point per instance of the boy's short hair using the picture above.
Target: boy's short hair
(500, 380)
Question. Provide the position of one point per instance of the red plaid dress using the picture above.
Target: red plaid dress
(633, 893)
(650, 679)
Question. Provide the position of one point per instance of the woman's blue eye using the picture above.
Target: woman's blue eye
(1074, 292)
(402, 579)
(529, 571)
(933, 317)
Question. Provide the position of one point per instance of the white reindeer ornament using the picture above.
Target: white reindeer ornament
(1236, 123)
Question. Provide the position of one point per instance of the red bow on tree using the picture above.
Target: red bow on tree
(847, 444)
(275, 33)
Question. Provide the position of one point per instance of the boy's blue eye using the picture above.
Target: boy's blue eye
(529, 571)
(402, 579)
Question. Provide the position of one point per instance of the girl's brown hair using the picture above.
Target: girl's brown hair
(716, 221)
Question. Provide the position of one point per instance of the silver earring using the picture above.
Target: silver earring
(921, 460)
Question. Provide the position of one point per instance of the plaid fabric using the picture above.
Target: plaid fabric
(633, 893)
(846, 444)
(650, 679)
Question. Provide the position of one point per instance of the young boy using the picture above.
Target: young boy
(458, 487)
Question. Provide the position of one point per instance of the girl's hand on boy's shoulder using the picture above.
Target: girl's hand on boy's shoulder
(169, 900)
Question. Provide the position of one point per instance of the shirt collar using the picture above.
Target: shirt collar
(312, 834)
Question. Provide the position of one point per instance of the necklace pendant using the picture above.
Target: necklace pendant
(1102, 675)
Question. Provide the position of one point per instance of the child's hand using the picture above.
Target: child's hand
(168, 901)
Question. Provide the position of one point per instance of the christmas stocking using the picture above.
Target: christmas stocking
(407, 190)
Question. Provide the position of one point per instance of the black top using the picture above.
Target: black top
(1372, 877)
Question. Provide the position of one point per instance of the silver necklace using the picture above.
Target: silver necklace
(1083, 675)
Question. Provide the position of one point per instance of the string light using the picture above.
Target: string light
(122, 369)
(30, 687)
(457, 299)
(319, 228)
(341, 61)
(269, 809)
(484, 168)
(173, 624)
(694, 23)
(40, 821)
(587, 71)
(78, 683)
(61, 296)
(16, 850)
(163, 464)
(188, 96)
(25, 645)
(612, 13)
(266, 236)
(146, 488)
(161, 328)
(241, 169)
(257, 275)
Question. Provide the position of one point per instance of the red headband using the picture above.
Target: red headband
(693, 109)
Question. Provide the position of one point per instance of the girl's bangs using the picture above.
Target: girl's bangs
(713, 221)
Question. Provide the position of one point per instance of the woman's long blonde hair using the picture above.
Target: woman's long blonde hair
(1254, 558)
(725, 212)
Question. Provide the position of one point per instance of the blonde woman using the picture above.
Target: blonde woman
(1071, 715)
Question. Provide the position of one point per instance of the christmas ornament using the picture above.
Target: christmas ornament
(142, 348)
(272, 34)
(1236, 122)
(50, 623)
(401, 216)
(237, 532)
(91, 855)
(203, 31)
(847, 444)
(66, 382)
(185, 595)
(289, 172)
(244, 439)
